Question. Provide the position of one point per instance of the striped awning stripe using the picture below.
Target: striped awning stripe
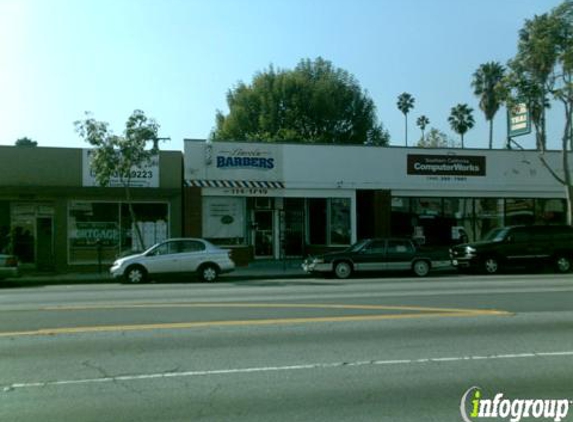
(234, 184)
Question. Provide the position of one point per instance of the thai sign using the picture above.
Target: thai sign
(518, 121)
(146, 176)
(446, 165)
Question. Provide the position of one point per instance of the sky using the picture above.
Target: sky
(177, 59)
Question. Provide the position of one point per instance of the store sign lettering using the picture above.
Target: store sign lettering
(446, 165)
(246, 159)
(246, 162)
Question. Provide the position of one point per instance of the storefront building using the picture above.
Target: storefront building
(275, 201)
(54, 216)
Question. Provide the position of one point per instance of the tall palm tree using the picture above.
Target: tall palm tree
(461, 119)
(405, 104)
(486, 80)
(422, 122)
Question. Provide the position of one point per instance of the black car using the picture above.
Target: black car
(377, 255)
(518, 246)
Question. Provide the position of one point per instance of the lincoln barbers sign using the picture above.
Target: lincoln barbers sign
(446, 165)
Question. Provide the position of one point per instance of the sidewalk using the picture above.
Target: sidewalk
(255, 270)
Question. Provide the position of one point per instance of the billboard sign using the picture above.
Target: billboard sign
(518, 121)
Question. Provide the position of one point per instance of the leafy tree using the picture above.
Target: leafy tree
(543, 70)
(422, 122)
(118, 155)
(461, 120)
(26, 142)
(532, 69)
(405, 104)
(486, 81)
(437, 139)
(314, 103)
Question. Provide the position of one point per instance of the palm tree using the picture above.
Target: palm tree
(461, 119)
(487, 79)
(422, 122)
(405, 104)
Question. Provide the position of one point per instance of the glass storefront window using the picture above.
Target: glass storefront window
(317, 221)
(519, 211)
(103, 230)
(427, 206)
(550, 211)
(460, 214)
(224, 220)
(329, 221)
(489, 215)
(340, 221)
(152, 223)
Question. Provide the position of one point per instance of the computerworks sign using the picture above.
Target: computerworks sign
(446, 165)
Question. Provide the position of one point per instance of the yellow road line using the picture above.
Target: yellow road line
(257, 305)
(253, 322)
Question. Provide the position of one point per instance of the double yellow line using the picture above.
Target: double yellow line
(410, 312)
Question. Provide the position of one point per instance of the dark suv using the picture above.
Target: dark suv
(518, 246)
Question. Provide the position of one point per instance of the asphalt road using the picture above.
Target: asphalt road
(389, 349)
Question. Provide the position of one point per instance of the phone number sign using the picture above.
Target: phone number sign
(146, 176)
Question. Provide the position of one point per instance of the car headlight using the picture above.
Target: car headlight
(469, 249)
(317, 261)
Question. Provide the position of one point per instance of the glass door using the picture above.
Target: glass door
(263, 223)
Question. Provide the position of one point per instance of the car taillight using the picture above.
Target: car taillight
(11, 261)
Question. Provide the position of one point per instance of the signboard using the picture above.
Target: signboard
(446, 165)
(146, 176)
(518, 121)
(223, 217)
(88, 233)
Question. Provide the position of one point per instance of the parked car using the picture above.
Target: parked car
(8, 266)
(175, 257)
(518, 246)
(378, 255)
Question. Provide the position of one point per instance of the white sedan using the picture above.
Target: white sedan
(175, 256)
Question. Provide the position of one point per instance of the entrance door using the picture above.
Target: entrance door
(292, 228)
(264, 233)
(45, 243)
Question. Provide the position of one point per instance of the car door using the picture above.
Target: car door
(371, 257)
(192, 253)
(399, 253)
(163, 258)
(518, 249)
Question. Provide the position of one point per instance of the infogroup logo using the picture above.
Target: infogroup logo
(474, 406)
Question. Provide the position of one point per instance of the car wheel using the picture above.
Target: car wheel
(208, 273)
(135, 274)
(421, 268)
(563, 264)
(490, 265)
(342, 269)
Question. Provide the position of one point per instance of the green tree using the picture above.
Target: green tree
(437, 139)
(314, 103)
(486, 81)
(461, 120)
(26, 142)
(405, 104)
(422, 122)
(543, 70)
(119, 155)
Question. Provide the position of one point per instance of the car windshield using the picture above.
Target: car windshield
(496, 235)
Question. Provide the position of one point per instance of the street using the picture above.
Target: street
(372, 349)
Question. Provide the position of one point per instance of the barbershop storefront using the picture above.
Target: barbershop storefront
(54, 216)
(274, 201)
